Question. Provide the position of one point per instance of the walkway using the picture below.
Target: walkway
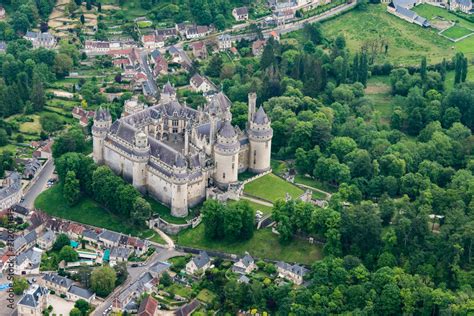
(258, 201)
(166, 238)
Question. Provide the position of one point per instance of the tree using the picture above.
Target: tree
(423, 70)
(141, 210)
(71, 188)
(215, 66)
(3, 137)
(83, 306)
(166, 279)
(61, 241)
(103, 280)
(51, 122)
(75, 312)
(19, 285)
(62, 65)
(68, 254)
(37, 95)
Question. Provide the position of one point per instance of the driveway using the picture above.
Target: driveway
(60, 305)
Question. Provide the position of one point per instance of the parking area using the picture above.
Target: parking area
(61, 307)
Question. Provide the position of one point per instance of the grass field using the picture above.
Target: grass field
(31, 127)
(314, 183)
(86, 211)
(429, 12)
(164, 212)
(378, 91)
(272, 188)
(264, 244)
(258, 207)
(449, 82)
(456, 32)
(407, 42)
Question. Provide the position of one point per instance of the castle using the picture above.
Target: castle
(174, 153)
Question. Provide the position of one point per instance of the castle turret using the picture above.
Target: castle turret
(179, 188)
(102, 123)
(141, 155)
(226, 156)
(260, 136)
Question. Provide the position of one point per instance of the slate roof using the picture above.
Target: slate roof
(58, 280)
(47, 236)
(33, 255)
(31, 237)
(17, 208)
(227, 130)
(120, 252)
(81, 292)
(32, 295)
(110, 236)
(102, 115)
(90, 233)
(296, 269)
(201, 260)
(244, 279)
(159, 267)
(169, 89)
(187, 309)
(14, 186)
(241, 11)
(260, 117)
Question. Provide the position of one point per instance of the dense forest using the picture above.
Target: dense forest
(398, 232)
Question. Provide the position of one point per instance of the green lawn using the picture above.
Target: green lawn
(407, 42)
(86, 211)
(164, 212)
(264, 244)
(429, 12)
(378, 91)
(272, 188)
(449, 82)
(180, 290)
(456, 32)
(206, 296)
(314, 183)
(31, 127)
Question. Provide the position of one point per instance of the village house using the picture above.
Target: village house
(20, 211)
(10, 190)
(82, 115)
(46, 240)
(143, 285)
(167, 32)
(28, 262)
(224, 42)
(199, 50)
(57, 283)
(258, 46)
(179, 56)
(38, 39)
(243, 279)
(76, 293)
(31, 168)
(153, 41)
(464, 6)
(74, 231)
(188, 309)
(119, 254)
(148, 307)
(30, 239)
(245, 265)
(200, 263)
(240, 14)
(34, 301)
(197, 31)
(281, 17)
(199, 83)
(109, 239)
(294, 273)
(44, 151)
(96, 47)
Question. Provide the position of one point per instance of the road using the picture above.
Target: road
(149, 74)
(161, 254)
(40, 184)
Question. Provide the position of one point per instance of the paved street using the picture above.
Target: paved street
(39, 186)
(151, 80)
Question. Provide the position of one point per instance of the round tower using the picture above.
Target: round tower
(260, 136)
(179, 188)
(226, 156)
(102, 123)
(141, 154)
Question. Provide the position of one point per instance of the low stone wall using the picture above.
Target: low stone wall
(170, 228)
(256, 177)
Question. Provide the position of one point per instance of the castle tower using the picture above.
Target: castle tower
(252, 106)
(179, 188)
(102, 123)
(260, 136)
(226, 156)
(141, 155)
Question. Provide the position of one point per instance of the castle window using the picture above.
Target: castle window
(254, 153)
(233, 166)
(175, 123)
(223, 175)
(266, 144)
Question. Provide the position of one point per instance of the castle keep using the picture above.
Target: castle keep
(174, 153)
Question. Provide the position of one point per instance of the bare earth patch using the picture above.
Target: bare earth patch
(377, 89)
